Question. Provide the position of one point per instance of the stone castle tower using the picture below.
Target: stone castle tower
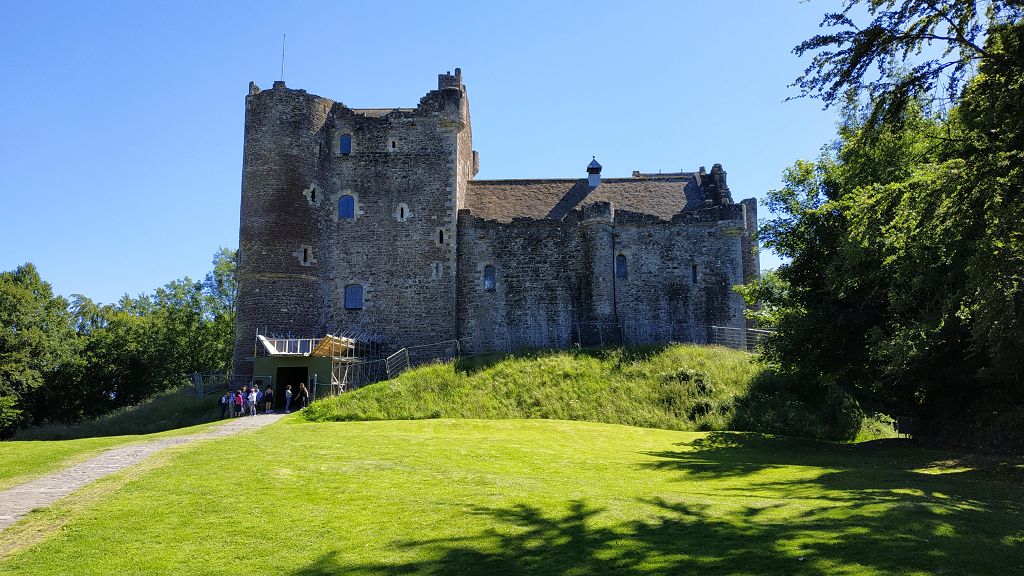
(369, 223)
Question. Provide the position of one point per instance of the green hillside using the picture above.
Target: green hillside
(169, 410)
(679, 387)
(538, 497)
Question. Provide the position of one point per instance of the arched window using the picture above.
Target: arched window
(345, 144)
(620, 266)
(347, 207)
(354, 297)
(489, 279)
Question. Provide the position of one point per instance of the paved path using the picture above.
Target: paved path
(20, 500)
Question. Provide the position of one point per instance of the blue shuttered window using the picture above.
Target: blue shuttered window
(347, 207)
(345, 144)
(353, 297)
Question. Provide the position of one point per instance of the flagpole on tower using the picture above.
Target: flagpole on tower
(284, 37)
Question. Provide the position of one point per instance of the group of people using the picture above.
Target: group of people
(246, 401)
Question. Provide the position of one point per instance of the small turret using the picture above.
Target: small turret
(594, 173)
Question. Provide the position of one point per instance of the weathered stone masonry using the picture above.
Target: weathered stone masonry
(422, 232)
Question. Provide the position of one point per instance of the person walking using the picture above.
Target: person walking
(225, 401)
(268, 400)
(287, 398)
(302, 397)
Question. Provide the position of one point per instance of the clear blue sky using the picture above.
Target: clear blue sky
(121, 130)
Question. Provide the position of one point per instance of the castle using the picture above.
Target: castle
(369, 223)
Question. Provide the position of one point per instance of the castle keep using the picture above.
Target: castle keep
(368, 223)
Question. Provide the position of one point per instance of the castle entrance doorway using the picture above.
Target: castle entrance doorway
(286, 377)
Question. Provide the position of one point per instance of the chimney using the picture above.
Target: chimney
(594, 173)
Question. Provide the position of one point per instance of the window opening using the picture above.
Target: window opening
(489, 279)
(440, 236)
(693, 273)
(620, 266)
(394, 144)
(401, 212)
(353, 297)
(312, 195)
(345, 144)
(347, 207)
(305, 254)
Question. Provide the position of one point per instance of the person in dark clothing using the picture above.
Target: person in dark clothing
(268, 400)
(302, 397)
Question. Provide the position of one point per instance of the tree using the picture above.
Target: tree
(874, 60)
(36, 338)
(906, 238)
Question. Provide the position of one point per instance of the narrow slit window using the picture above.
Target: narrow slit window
(620, 266)
(305, 255)
(312, 195)
(693, 273)
(489, 279)
(354, 297)
(347, 207)
(440, 236)
(401, 212)
(345, 144)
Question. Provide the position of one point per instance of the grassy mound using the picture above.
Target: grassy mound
(166, 411)
(679, 387)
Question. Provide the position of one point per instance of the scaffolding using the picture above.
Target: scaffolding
(345, 354)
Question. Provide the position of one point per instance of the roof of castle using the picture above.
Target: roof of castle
(663, 196)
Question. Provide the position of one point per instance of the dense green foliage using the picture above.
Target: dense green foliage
(537, 497)
(36, 341)
(166, 410)
(62, 362)
(905, 239)
(679, 387)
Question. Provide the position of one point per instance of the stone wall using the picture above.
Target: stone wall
(552, 274)
(679, 274)
(537, 294)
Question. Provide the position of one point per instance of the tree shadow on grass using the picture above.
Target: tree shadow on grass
(837, 510)
(721, 454)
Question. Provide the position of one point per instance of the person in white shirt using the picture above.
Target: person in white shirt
(252, 401)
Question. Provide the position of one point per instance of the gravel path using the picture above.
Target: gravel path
(21, 499)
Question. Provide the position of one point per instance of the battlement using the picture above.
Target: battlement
(447, 80)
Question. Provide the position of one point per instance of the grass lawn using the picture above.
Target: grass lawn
(531, 497)
(22, 460)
